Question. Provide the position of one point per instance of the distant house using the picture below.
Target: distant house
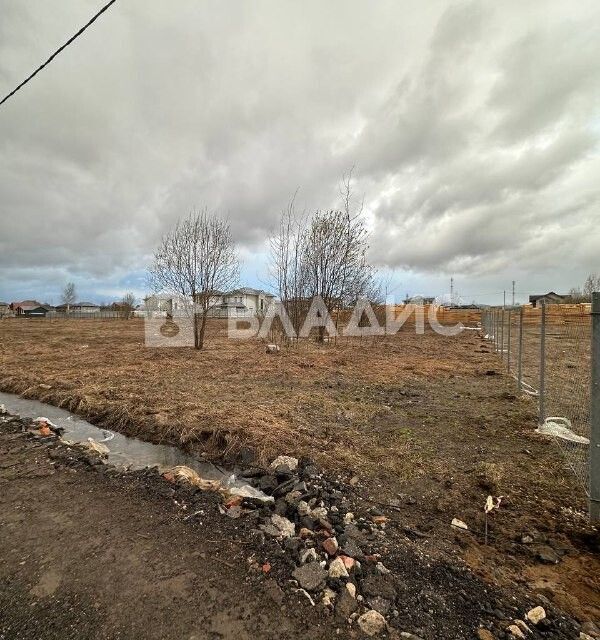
(79, 307)
(418, 300)
(161, 304)
(14, 305)
(29, 308)
(240, 303)
(85, 307)
(549, 298)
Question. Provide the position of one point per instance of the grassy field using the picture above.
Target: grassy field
(428, 422)
(346, 404)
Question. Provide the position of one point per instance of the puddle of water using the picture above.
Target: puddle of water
(125, 452)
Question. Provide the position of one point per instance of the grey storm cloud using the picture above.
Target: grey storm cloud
(473, 129)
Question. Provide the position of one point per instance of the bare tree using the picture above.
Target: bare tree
(196, 260)
(576, 295)
(69, 295)
(591, 284)
(322, 255)
(126, 306)
(285, 265)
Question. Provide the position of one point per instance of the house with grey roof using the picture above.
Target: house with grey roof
(549, 298)
(79, 307)
(241, 303)
(244, 302)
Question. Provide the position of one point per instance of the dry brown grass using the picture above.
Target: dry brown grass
(412, 415)
(320, 400)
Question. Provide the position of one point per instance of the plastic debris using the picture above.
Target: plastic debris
(459, 524)
(246, 491)
(560, 428)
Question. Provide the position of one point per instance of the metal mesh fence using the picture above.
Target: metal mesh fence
(548, 351)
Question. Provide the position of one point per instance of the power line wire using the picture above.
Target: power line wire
(66, 44)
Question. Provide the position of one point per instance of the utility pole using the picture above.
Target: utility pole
(504, 303)
(513, 293)
(452, 290)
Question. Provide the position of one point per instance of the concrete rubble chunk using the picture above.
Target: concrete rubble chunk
(329, 596)
(286, 528)
(281, 462)
(337, 569)
(514, 631)
(318, 512)
(371, 623)
(536, 615)
(303, 508)
(523, 626)
(310, 576)
(310, 555)
(330, 545)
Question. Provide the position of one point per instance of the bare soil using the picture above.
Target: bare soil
(430, 425)
(93, 552)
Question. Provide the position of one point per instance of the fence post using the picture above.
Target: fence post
(508, 341)
(502, 335)
(543, 364)
(520, 364)
(497, 330)
(594, 461)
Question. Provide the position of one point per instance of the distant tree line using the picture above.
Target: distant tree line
(591, 284)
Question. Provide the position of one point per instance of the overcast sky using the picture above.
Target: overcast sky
(473, 128)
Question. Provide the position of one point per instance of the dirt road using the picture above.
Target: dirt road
(96, 555)
(92, 552)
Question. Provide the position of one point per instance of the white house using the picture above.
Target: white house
(79, 307)
(239, 303)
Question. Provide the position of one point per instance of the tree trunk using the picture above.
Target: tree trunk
(199, 330)
(202, 330)
(197, 342)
